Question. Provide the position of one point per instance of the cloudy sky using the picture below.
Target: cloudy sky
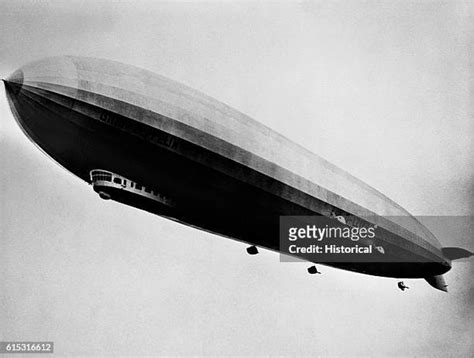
(382, 89)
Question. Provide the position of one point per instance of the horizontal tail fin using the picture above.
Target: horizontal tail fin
(454, 253)
(437, 282)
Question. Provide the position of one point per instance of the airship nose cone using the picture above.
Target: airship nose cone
(14, 82)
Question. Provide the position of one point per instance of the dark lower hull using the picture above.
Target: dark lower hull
(244, 206)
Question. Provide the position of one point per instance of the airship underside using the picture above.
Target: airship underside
(180, 154)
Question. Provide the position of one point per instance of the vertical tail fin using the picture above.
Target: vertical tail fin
(437, 282)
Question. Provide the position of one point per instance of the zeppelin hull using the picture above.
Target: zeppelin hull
(219, 184)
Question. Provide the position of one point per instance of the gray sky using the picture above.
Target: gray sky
(382, 89)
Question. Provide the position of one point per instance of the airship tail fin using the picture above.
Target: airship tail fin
(437, 282)
(455, 253)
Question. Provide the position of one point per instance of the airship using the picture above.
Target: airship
(144, 140)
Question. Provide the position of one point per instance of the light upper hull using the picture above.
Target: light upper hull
(227, 173)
